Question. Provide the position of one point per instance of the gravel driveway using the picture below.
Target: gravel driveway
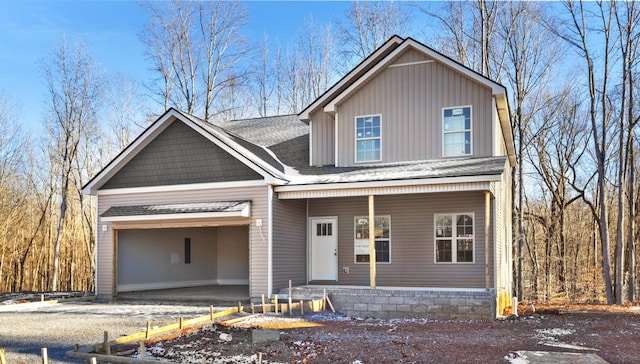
(23, 332)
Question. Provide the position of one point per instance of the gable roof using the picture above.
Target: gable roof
(383, 57)
(253, 156)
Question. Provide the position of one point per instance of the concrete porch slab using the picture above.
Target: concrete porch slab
(229, 294)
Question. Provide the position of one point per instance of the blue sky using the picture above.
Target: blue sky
(30, 30)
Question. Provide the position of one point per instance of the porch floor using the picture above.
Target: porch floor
(219, 294)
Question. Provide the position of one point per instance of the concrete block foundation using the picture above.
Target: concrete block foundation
(387, 302)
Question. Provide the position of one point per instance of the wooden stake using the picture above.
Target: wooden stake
(180, 323)
(45, 358)
(301, 308)
(290, 310)
(148, 333)
(93, 361)
(263, 303)
(2, 358)
(259, 358)
(276, 301)
(107, 347)
(210, 313)
(330, 304)
(239, 307)
(142, 349)
(324, 299)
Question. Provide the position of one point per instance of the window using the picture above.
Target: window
(456, 127)
(368, 138)
(324, 229)
(382, 239)
(454, 238)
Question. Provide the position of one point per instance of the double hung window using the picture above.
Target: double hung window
(456, 128)
(368, 138)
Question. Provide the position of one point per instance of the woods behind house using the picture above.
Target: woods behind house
(570, 68)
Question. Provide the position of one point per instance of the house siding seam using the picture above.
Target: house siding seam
(257, 236)
(412, 239)
(289, 243)
(410, 100)
(180, 155)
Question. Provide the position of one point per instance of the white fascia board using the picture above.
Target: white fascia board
(133, 148)
(495, 87)
(388, 183)
(246, 212)
(504, 115)
(182, 187)
(304, 115)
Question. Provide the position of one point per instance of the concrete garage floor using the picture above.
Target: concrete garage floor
(211, 295)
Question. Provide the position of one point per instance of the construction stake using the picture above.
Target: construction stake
(330, 304)
(211, 313)
(148, 334)
(180, 323)
(301, 308)
(107, 347)
(290, 310)
(45, 358)
(259, 358)
(142, 349)
(276, 301)
(2, 358)
(263, 303)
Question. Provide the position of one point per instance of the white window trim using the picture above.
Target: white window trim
(459, 131)
(454, 239)
(355, 218)
(355, 138)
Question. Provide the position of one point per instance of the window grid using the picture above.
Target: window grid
(368, 138)
(456, 131)
(382, 238)
(454, 238)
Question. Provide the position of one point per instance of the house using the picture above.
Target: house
(409, 139)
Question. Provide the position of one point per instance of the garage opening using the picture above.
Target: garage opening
(207, 260)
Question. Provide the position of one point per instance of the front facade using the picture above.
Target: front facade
(409, 137)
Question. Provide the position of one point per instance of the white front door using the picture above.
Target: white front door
(324, 249)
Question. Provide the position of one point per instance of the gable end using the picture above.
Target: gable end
(180, 155)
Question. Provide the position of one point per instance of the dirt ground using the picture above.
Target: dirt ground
(613, 333)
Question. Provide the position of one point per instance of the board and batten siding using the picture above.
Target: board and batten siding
(322, 138)
(289, 242)
(412, 239)
(258, 243)
(410, 99)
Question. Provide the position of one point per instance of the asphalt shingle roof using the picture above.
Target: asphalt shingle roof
(183, 208)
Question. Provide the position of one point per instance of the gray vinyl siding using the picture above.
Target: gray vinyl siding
(412, 239)
(289, 242)
(410, 99)
(180, 155)
(322, 139)
(257, 237)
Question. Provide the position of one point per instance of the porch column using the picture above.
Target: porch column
(487, 231)
(372, 244)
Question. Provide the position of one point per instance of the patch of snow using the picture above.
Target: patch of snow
(516, 358)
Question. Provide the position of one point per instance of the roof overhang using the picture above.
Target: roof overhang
(394, 187)
(177, 211)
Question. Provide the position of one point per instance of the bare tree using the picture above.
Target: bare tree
(530, 54)
(74, 84)
(125, 109)
(577, 34)
(366, 26)
(195, 48)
